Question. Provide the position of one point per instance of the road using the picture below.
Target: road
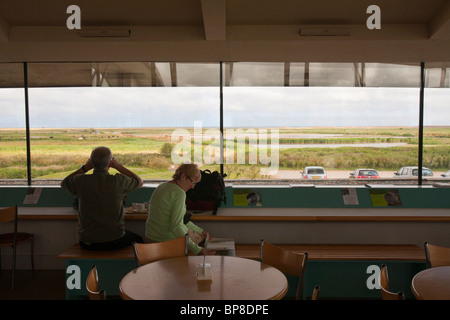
(336, 174)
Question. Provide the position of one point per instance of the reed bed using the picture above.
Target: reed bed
(57, 152)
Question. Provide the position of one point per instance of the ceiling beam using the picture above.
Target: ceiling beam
(173, 74)
(287, 73)
(214, 19)
(439, 25)
(4, 30)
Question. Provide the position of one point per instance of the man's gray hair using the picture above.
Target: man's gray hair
(101, 157)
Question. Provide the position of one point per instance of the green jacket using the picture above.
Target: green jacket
(165, 215)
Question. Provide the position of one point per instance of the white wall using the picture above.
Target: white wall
(52, 237)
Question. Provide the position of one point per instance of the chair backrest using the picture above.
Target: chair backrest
(436, 256)
(288, 262)
(315, 294)
(384, 286)
(92, 285)
(8, 214)
(149, 252)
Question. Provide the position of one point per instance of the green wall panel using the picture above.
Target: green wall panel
(270, 197)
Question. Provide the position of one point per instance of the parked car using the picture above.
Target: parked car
(446, 175)
(314, 173)
(364, 174)
(411, 172)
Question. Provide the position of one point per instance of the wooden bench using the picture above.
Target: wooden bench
(76, 252)
(390, 252)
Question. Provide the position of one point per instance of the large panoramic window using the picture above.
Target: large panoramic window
(295, 122)
(148, 114)
(13, 150)
(436, 146)
(339, 117)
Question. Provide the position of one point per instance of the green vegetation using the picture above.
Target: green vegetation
(347, 158)
(57, 152)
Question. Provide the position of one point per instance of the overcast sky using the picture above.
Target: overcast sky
(97, 107)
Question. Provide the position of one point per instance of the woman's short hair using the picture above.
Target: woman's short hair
(101, 157)
(191, 170)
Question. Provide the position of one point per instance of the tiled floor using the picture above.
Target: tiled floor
(45, 285)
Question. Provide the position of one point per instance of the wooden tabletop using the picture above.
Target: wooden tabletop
(432, 284)
(233, 279)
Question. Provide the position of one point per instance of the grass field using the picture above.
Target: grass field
(57, 152)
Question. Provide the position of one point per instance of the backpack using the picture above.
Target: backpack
(208, 193)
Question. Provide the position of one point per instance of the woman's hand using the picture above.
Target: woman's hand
(205, 235)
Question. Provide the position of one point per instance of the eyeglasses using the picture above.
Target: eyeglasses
(193, 183)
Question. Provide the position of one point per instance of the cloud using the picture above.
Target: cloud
(243, 106)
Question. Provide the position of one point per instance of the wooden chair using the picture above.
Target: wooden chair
(288, 262)
(149, 252)
(436, 256)
(14, 238)
(92, 285)
(384, 286)
(315, 294)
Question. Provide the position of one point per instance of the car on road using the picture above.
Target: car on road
(446, 175)
(412, 172)
(314, 172)
(364, 174)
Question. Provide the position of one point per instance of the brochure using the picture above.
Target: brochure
(385, 198)
(247, 198)
(350, 196)
(32, 196)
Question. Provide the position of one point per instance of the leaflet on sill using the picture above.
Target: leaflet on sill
(350, 196)
(32, 196)
(385, 198)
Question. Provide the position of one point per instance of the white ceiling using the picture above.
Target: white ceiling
(225, 30)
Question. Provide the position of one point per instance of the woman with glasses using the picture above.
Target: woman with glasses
(167, 208)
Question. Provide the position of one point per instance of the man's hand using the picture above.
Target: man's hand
(82, 170)
(114, 163)
(119, 167)
(88, 165)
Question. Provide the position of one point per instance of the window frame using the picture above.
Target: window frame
(221, 84)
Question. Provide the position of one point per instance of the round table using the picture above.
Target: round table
(233, 278)
(432, 284)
